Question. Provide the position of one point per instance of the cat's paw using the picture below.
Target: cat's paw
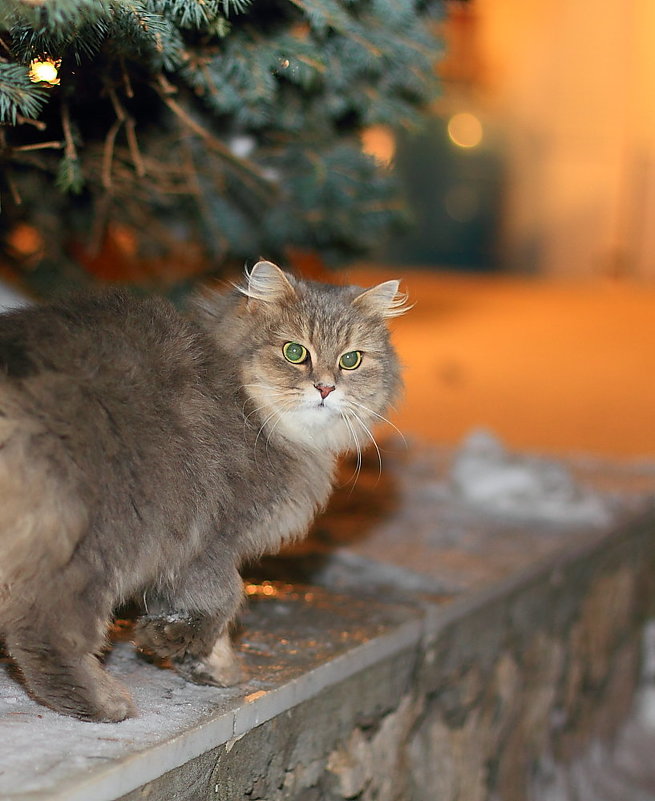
(220, 668)
(105, 700)
(113, 704)
(167, 636)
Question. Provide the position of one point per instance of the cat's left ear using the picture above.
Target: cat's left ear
(267, 282)
(384, 299)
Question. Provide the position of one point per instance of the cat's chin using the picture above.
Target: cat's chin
(317, 426)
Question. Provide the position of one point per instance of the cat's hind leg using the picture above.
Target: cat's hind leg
(53, 610)
(192, 631)
(56, 652)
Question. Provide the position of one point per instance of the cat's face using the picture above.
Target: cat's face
(320, 370)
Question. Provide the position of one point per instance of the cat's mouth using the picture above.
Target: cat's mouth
(321, 407)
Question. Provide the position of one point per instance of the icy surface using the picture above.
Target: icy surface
(290, 635)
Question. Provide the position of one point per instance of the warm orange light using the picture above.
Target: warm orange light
(25, 240)
(378, 141)
(465, 130)
(45, 71)
(266, 588)
(254, 696)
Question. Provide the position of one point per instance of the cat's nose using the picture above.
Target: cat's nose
(324, 390)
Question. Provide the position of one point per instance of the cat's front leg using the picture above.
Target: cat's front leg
(198, 646)
(197, 643)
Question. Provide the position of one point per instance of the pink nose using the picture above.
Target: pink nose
(324, 390)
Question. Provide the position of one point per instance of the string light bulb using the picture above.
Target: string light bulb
(45, 70)
(378, 141)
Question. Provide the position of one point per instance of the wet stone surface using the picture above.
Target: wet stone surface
(425, 642)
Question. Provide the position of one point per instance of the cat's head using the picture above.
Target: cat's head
(316, 362)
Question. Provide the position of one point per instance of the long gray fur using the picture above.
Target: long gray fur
(148, 454)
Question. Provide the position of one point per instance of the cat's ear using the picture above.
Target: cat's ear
(268, 283)
(384, 299)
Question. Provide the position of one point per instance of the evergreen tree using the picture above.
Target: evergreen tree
(227, 126)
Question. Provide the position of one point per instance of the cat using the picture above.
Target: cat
(148, 453)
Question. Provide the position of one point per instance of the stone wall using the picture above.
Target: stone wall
(489, 699)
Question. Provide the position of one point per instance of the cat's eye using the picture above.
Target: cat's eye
(351, 360)
(295, 353)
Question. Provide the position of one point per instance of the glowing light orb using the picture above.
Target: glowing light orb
(45, 71)
(465, 130)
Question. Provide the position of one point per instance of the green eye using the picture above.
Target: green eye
(351, 360)
(295, 353)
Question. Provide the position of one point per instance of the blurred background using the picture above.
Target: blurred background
(541, 156)
(537, 179)
(498, 155)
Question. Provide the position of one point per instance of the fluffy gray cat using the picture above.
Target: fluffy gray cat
(145, 453)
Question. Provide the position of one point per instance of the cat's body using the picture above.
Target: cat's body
(147, 454)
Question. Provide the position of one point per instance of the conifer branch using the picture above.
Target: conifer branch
(38, 124)
(15, 194)
(201, 201)
(71, 151)
(108, 154)
(54, 145)
(249, 137)
(127, 84)
(122, 117)
(248, 169)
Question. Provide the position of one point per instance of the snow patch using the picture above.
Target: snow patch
(486, 476)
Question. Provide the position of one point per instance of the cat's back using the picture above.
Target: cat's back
(74, 336)
(100, 374)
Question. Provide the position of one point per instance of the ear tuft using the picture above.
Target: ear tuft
(267, 282)
(384, 299)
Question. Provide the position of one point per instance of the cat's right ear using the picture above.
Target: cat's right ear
(268, 283)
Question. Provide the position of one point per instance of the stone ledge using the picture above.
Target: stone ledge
(368, 639)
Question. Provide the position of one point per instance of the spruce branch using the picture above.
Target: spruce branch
(18, 95)
(13, 189)
(71, 151)
(201, 201)
(249, 171)
(108, 156)
(122, 117)
(69, 172)
(38, 124)
(125, 75)
(248, 140)
(54, 145)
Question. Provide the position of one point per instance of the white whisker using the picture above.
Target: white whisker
(358, 464)
(287, 406)
(371, 437)
(380, 417)
(277, 412)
